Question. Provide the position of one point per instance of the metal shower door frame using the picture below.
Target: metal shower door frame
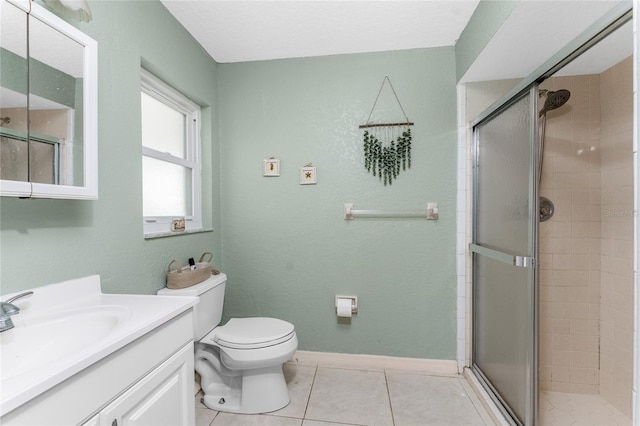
(600, 29)
(529, 261)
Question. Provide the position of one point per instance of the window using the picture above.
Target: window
(171, 165)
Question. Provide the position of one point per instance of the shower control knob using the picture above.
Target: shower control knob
(546, 209)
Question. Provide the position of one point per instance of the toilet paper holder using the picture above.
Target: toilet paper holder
(354, 302)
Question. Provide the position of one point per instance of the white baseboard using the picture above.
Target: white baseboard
(439, 367)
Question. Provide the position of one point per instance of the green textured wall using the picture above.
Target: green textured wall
(13, 69)
(287, 249)
(45, 81)
(45, 241)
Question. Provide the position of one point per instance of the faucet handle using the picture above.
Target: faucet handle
(19, 296)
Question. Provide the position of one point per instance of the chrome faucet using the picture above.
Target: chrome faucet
(7, 309)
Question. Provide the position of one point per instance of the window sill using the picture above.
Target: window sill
(175, 234)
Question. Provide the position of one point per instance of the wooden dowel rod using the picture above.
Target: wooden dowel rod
(362, 126)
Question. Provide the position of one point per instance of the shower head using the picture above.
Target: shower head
(554, 99)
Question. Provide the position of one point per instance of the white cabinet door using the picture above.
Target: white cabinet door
(163, 397)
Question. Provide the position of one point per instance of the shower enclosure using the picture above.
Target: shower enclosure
(552, 244)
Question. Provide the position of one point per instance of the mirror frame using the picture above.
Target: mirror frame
(89, 191)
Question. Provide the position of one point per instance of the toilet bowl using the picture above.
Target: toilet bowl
(240, 363)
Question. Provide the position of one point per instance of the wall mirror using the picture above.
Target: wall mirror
(48, 105)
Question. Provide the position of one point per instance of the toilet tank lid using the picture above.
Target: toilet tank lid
(195, 290)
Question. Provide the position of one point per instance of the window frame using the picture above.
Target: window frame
(161, 91)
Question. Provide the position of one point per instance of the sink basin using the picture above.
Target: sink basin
(64, 328)
(42, 340)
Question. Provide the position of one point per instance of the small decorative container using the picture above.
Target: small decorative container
(182, 277)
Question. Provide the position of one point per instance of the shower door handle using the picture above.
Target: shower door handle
(510, 259)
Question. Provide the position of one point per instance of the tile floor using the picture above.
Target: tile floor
(564, 409)
(323, 396)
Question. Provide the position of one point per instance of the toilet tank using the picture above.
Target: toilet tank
(208, 311)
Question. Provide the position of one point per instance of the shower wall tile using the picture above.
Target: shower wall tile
(586, 249)
(571, 180)
(616, 291)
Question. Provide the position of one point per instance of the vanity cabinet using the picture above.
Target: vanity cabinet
(150, 381)
(163, 397)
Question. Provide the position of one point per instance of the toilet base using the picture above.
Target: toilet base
(259, 390)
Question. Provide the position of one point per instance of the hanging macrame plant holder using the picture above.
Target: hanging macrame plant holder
(387, 146)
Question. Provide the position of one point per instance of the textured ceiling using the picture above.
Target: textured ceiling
(237, 31)
(240, 30)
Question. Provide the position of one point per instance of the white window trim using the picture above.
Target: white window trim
(161, 225)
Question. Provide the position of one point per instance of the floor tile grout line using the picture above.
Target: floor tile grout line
(214, 417)
(306, 407)
(386, 382)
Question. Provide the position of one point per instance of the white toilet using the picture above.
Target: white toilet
(240, 363)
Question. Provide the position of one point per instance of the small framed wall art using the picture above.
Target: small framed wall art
(271, 167)
(308, 175)
(178, 224)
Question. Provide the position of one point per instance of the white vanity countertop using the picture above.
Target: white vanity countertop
(66, 327)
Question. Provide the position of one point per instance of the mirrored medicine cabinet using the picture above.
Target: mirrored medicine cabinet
(48, 105)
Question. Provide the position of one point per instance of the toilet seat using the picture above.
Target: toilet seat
(251, 333)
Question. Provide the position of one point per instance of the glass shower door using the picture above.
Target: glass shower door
(504, 247)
